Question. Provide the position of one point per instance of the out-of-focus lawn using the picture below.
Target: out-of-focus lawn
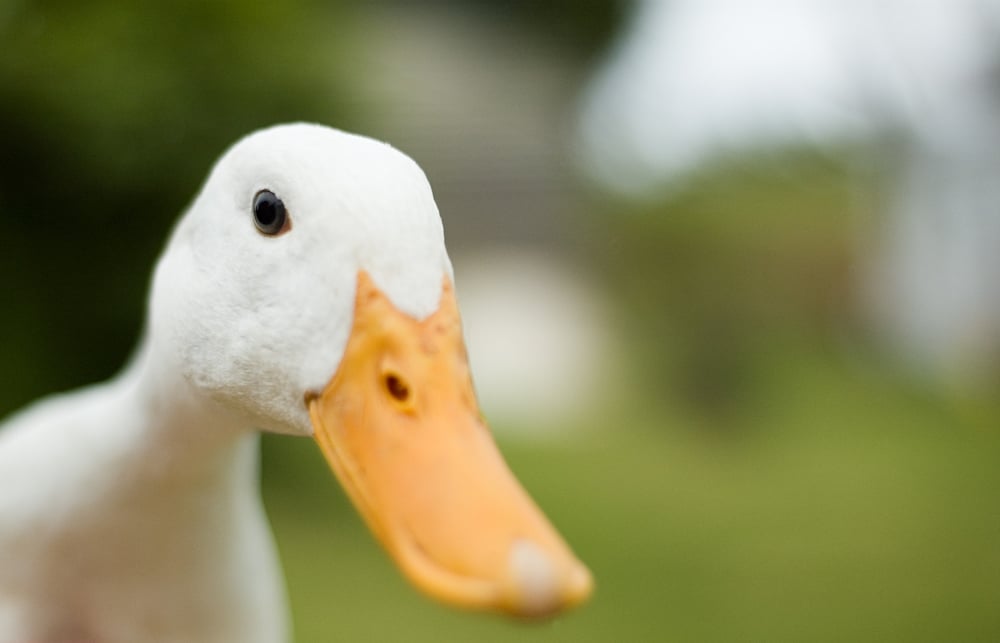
(850, 508)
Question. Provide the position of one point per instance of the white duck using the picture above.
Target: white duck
(307, 291)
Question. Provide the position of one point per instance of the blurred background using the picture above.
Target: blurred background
(730, 273)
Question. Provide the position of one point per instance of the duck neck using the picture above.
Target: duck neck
(175, 431)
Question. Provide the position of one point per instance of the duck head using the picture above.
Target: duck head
(308, 291)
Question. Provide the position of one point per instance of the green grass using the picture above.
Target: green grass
(848, 508)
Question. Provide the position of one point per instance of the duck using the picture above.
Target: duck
(306, 291)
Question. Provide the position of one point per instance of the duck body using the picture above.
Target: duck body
(307, 291)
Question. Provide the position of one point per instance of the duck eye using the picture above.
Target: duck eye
(269, 213)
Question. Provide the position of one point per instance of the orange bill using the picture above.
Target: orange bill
(400, 427)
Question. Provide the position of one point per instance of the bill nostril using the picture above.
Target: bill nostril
(397, 387)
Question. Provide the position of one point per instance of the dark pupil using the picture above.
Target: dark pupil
(267, 211)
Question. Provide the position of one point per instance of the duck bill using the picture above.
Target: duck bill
(400, 427)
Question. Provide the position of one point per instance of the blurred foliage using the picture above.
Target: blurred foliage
(584, 27)
(111, 113)
(745, 262)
